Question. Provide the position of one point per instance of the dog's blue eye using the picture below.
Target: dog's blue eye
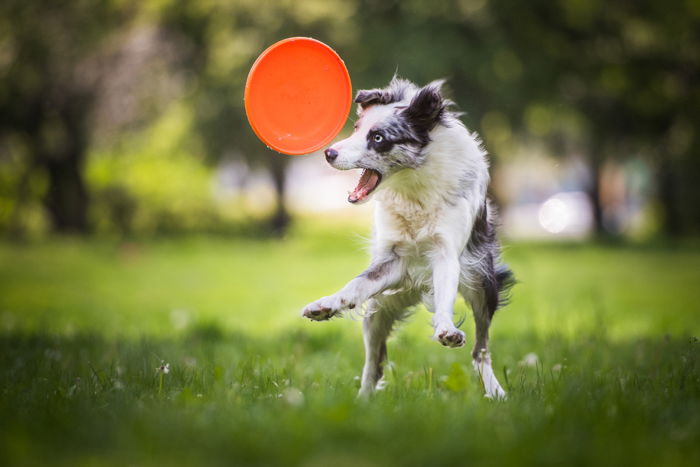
(378, 138)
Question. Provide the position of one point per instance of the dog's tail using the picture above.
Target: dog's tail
(505, 280)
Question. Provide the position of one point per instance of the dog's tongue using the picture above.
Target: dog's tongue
(368, 182)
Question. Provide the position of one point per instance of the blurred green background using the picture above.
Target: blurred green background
(127, 117)
(143, 223)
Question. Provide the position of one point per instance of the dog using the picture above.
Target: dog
(434, 234)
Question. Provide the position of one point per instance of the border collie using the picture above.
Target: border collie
(434, 231)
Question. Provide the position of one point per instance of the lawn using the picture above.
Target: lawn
(598, 351)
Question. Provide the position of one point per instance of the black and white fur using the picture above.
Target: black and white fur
(434, 227)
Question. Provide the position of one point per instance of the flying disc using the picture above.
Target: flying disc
(298, 95)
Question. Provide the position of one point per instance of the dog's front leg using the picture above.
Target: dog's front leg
(445, 265)
(384, 272)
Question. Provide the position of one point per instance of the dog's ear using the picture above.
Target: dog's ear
(426, 107)
(369, 97)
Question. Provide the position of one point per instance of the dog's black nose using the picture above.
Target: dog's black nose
(331, 154)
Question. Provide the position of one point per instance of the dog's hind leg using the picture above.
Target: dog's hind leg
(382, 313)
(483, 311)
(375, 329)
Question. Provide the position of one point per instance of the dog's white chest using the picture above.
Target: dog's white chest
(407, 224)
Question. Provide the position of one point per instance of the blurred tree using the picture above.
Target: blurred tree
(226, 38)
(606, 79)
(50, 68)
(73, 77)
(629, 73)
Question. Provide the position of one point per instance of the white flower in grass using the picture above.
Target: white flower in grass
(162, 370)
(557, 368)
(530, 359)
(293, 397)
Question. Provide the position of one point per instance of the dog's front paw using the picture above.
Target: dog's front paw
(322, 309)
(451, 337)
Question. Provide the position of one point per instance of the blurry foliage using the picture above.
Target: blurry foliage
(602, 79)
(607, 79)
(627, 74)
(227, 36)
(156, 183)
(52, 61)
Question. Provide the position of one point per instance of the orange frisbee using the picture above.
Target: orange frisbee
(298, 95)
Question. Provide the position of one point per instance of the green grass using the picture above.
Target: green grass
(83, 327)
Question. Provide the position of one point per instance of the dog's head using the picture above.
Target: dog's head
(392, 129)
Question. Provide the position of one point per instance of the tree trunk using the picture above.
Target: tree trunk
(668, 198)
(66, 199)
(594, 195)
(280, 219)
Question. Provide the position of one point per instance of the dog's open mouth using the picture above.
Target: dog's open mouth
(369, 180)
